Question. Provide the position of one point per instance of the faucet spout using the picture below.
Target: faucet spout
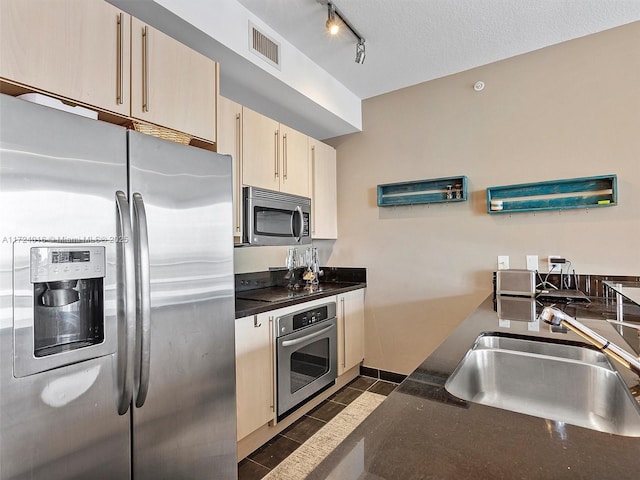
(556, 317)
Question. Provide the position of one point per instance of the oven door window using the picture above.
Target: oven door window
(309, 363)
(273, 222)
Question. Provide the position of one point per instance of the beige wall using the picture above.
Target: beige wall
(570, 110)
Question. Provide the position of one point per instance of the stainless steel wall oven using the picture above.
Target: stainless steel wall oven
(306, 355)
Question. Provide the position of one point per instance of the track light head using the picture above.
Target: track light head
(332, 22)
(360, 53)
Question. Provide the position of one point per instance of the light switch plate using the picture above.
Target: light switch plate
(503, 262)
(532, 262)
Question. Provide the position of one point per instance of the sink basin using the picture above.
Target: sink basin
(567, 383)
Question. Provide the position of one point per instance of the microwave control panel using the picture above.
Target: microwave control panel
(50, 264)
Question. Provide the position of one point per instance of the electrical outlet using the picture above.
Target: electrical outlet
(553, 266)
(503, 262)
(532, 262)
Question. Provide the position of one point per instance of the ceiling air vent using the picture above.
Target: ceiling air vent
(263, 46)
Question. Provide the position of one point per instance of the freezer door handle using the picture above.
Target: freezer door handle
(143, 298)
(126, 309)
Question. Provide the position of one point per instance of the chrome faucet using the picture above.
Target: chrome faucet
(556, 317)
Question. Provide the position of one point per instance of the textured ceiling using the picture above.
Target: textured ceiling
(412, 41)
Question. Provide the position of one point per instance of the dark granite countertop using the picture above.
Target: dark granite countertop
(422, 432)
(265, 291)
(246, 307)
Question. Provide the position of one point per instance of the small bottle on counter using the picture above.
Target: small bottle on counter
(449, 194)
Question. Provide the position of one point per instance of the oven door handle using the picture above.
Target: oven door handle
(298, 341)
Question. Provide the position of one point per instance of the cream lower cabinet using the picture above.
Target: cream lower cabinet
(76, 49)
(324, 194)
(172, 85)
(230, 142)
(274, 156)
(350, 312)
(255, 374)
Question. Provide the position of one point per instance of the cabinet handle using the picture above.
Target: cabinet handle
(313, 190)
(238, 171)
(145, 69)
(120, 60)
(285, 155)
(273, 373)
(255, 322)
(344, 337)
(275, 156)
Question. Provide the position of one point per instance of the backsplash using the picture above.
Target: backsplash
(276, 277)
(256, 259)
(590, 285)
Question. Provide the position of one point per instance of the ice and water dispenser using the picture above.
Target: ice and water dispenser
(68, 298)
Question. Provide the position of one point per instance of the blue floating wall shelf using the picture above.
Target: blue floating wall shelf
(585, 192)
(437, 190)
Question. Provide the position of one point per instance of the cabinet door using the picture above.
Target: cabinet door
(254, 373)
(324, 194)
(294, 158)
(260, 156)
(76, 49)
(171, 84)
(350, 330)
(230, 142)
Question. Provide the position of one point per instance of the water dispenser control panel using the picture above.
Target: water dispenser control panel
(50, 264)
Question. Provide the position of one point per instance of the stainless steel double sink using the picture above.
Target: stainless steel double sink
(567, 383)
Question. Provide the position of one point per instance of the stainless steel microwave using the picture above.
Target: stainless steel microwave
(275, 218)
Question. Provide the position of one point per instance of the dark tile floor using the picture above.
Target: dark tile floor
(260, 462)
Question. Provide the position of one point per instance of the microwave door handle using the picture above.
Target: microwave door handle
(143, 297)
(126, 305)
(300, 224)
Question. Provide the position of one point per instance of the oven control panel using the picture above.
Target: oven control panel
(309, 317)
(305, 318)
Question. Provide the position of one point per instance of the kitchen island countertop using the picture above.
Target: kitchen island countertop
(422, 432)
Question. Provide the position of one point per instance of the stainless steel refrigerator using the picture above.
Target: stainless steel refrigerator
(116, 303)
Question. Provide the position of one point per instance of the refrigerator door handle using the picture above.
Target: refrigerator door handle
(126, 310)
(143, 297)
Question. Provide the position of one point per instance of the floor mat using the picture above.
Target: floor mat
(309, 455)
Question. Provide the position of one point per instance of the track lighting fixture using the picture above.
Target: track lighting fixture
(334, 20)
(360, 54)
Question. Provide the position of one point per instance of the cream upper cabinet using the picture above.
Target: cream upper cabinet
(324, 194)
(172, 85)
(274, 156)
(350, 329)
(294, 160)
(76, 49)
(230, 142)
(255, 373)
(260, 150)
